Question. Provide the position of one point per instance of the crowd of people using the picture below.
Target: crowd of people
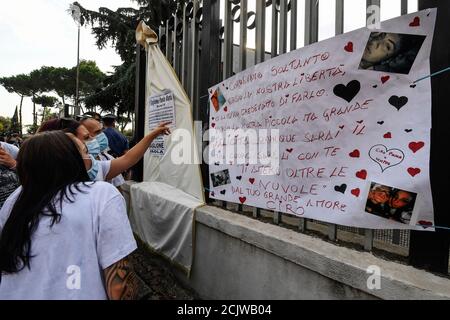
(64, 230)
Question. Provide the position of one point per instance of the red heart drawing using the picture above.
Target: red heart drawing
(349, 47)
(251, 180)
(385, 78)
(415, 22)
(362, 174)
(225, 109)
(213, 124)
(413, 171)
(354, 154)
(416, 146)
(290, 150)
(387, 135)
(356, 192)
(425, 224)
(242, 199)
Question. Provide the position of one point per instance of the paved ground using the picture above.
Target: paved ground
(157, 275)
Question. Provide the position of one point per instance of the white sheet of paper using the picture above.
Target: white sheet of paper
(346, 128)
(161, 109)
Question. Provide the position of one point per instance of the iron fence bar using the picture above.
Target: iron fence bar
(339, 29)
(175, 47)
(185, 49)
(256, 212)
(274, 43)
(243, 36)
(311, 21)
(404, 7)
(368, 240)
(293, 41)
(260, 30)
(283, 26)
(168, 42)
(368, 233)
(228, 42)
(339, 22)
(194, 56)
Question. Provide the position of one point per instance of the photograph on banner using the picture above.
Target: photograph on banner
(390, 203)
(315, 133)
(217, 99)
(220, 178)
(391, 52)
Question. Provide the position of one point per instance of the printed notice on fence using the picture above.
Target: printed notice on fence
(161, 109)
(337, 131)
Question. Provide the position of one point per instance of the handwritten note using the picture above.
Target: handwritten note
(352, 130)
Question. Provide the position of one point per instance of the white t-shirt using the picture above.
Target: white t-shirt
(69, 258)
(103, 170)
(12, 150)
(118, 180)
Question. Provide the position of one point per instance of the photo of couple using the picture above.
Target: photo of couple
(390, 203)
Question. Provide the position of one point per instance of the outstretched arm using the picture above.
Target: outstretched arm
(135, 154)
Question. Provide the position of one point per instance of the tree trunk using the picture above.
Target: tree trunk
(20, 115)
(34, 112)
(43, 114)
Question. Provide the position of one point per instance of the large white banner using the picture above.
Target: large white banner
(347, 121)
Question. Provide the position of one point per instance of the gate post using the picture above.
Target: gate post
(210, 62)
(430, 250)
(139, 107)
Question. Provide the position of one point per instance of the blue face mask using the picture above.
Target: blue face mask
(93, 171)
(93, 147)
(102, 140)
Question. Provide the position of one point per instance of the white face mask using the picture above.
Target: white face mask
(93, 147)
(93, 171)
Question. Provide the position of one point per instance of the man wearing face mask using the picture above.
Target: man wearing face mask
(98, 146)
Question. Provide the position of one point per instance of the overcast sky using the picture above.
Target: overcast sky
(37, 33)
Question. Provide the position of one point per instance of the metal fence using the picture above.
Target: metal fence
(268, 28)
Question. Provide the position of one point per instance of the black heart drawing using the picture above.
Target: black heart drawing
(398, 102)
(412, 86)
(375, 86)
(380, 123)
(347, 92)
(341, 188)
(223, 191)
(239, 177)
(408, 130)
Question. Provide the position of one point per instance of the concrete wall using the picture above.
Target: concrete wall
(237, 257)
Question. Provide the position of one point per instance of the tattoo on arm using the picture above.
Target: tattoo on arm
(122, 283)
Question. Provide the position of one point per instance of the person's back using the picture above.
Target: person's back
(117, 141)
(69, 256)
(61, 235)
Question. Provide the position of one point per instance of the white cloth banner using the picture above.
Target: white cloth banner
(161, 79)
(353, 129)
(163, 217)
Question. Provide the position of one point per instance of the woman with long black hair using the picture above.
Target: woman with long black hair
(62, 236)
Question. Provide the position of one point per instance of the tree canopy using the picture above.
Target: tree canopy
(118, 27)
